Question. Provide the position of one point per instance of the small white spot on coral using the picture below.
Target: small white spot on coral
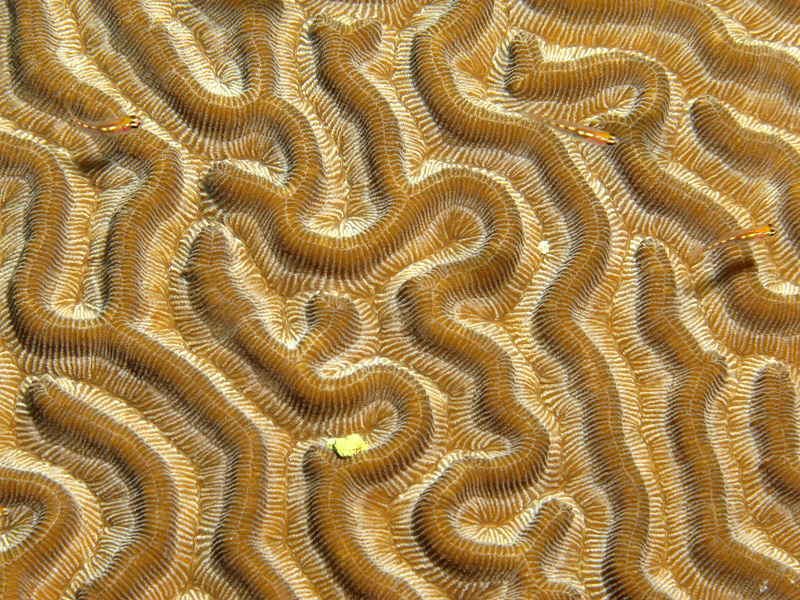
(544, 247)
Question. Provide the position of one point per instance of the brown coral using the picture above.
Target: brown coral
(335, 220)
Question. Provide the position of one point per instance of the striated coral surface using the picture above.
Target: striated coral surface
(336, 220)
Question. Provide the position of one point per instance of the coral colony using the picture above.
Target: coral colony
(520, 247)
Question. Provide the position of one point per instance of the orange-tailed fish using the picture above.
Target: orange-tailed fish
(582, 133)
(105, 127)
(740, 235)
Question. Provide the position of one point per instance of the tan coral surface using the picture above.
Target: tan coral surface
(335, 219)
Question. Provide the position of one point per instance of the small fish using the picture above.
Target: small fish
(582, 133)
(105, 127)
(740, 235)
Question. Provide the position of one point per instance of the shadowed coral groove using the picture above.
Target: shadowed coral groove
(26, 566)
(588, 230)
(85, 349)
(695, 381)
(147, 557)
(773, 401)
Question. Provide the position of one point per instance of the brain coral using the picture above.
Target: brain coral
(340, 219)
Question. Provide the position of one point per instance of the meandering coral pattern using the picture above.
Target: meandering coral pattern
(334, 221)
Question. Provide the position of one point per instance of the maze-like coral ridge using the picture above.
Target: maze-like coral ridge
(341, 218)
